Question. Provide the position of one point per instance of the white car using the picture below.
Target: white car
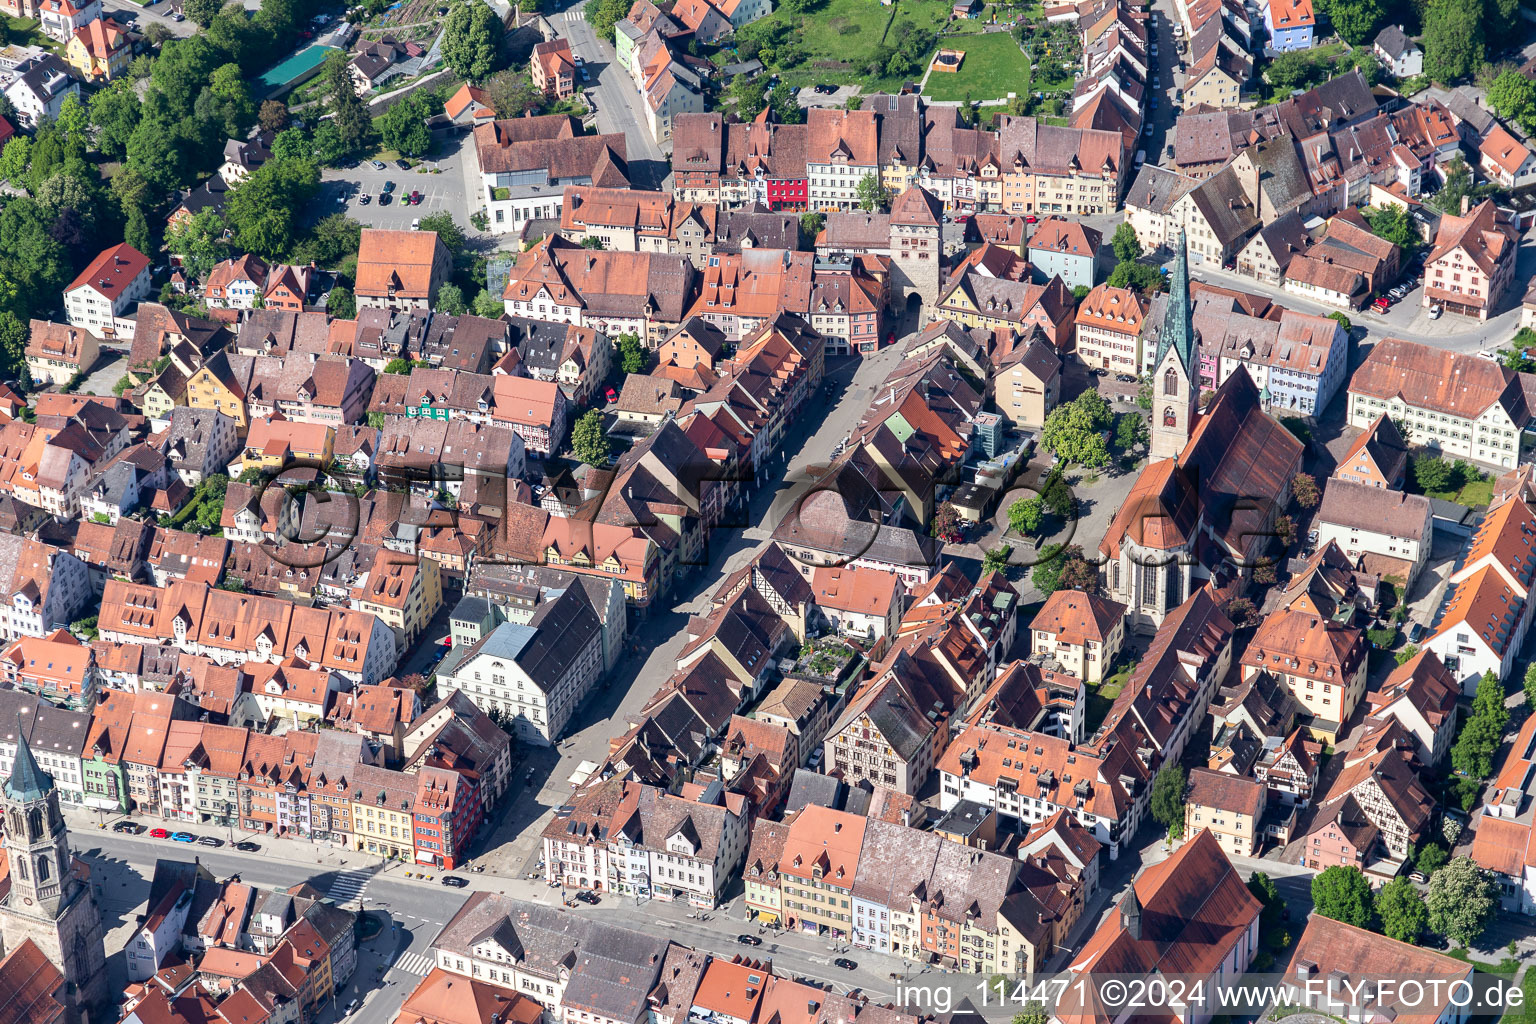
(1434, 312)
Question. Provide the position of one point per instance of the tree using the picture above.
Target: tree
(1130, 431)
(1305, 490)
(1453, 39)
(749, 97)
(873, 197)
(1033, 1015)
(334, 238)
(1025, 515)
(1512, 96)
(1488, 701)
(1242, 612)
(1289, 71)
(1432, 857)
(785, 106)
(1530, 685)
(1126, 245)
(1074, 431)
(1046, 575)
(1393, 223)
(228, 101)
(632, 354)
(115, 112)
(811, 222)
(403, 126)
(1407, 654)
(199, 242)
(1501, 19)
(201, 11)
(1461, 901)
(1138, 276)
(947, 523)
(273, 116)
(512, 94)
(488, 305)
(1168, 799)
(1355, 21)
(588, 440)
(1077, 573)
(592, 242)
(1342, 320)
(1516, 359)
(996, 559)
(264, 213)
(1432, 473)
(1268, 894)
(350, 118)
(1343, 894)
(1474, 749)
(450, 300)
(471, 41)
(1401, 910)
(398, 366)
(603, 15)
(13, 344)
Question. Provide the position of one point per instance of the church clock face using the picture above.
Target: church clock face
(27, 900)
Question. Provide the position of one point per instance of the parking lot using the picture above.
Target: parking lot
(443, 192)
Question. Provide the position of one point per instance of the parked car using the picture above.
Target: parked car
(415, 223)
(183, 837)
(1030, 219)
(383, 198)
(612, 396)
(1382, 304)
(845, 964)
(586, 76)
(378, 165)
(454, 881)
(126, 827)
(749, 940)
(1434, 312)
(1416, 632)
(364, 199)
(415, 198)
(246, 846)
(211, 841)
(403, 165)
(590, 898)
(351, 1009)
(389, 186)
(159, 833)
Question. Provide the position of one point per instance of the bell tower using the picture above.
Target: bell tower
(1175, 388)
(51, 901)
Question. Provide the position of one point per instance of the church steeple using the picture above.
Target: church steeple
(36, 841)
(1175, 373)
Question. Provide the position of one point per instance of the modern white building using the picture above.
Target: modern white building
(114, 284)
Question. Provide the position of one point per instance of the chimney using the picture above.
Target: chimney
(1466, 204)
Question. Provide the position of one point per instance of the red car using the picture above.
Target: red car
(415, 197)
(159, 833)
(612, 396)
(1030, 219)
(1382, 304)
(962, 218)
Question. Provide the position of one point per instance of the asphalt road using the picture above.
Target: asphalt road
(126, 12)
(620, 107)
(416, 910)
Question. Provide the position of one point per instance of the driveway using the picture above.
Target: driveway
(441, 192)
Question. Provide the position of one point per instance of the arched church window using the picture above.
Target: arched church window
(1170, 382)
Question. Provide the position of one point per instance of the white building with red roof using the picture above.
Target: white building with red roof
(114, 283)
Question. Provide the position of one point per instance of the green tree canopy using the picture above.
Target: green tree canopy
(341, 303)
(1356, 21)
(1138, 276)
(632, 354)
(1513, 96)
(1462, 899)
(1074, 431)
(873, 197)
(1401, 910)
(1126, 245)
(1025, 515)
(1453, 39)
(403, 126)
(200, 242)
(265, 212)
(471, 44)
(748, 95)
(588, 440)
(1168, 799)
(1343, 894)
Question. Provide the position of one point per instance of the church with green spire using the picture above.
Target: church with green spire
(50, 900)
(1176, 369)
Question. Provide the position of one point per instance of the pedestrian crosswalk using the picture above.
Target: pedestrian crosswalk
(349, 885)
(578, 15)
(412, 963)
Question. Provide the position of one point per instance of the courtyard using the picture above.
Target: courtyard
(994, 66)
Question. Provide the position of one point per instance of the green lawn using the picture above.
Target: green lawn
(1526, 1013)
(993, 67)
(27, 32)
(841, 36)
(1473, 494)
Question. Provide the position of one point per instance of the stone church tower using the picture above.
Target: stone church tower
(50, 901)
(916, 248)
(1175, 375)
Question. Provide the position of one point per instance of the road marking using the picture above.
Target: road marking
(349, 885)
(412, 963)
